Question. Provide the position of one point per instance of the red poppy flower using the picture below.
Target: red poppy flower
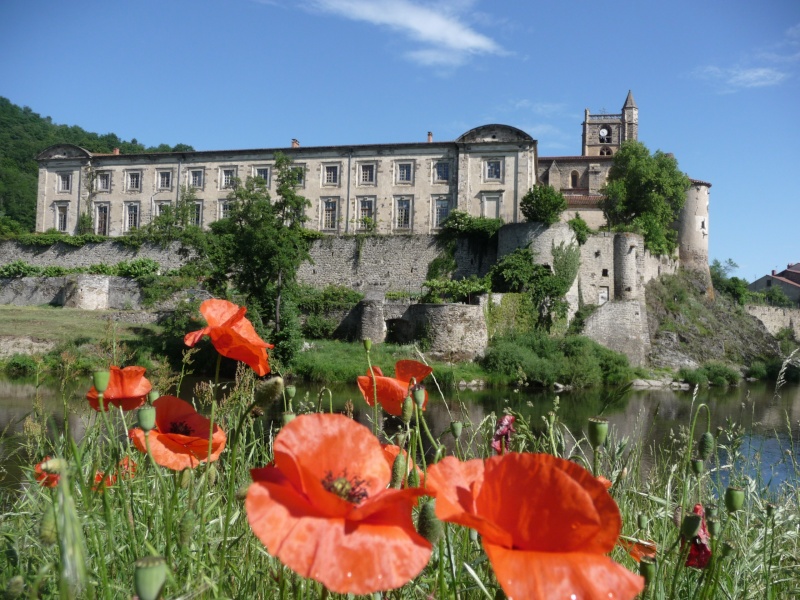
(639, 549)
(127, 389)
(393, 390)
(180, 438)
(46, 479)
(324, 510)
(546, 523)
(232, 334)
(126, 468)
(700, 545)
(502, 436)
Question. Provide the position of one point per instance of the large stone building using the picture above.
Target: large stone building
(389, 188)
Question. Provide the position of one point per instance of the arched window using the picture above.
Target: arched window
(574, 179)
(605, 151)
(604, 134)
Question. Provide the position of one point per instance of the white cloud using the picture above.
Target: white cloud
(444, 37)
(738, 78)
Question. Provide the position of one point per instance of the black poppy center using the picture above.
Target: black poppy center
(347, 488)
(180, 427)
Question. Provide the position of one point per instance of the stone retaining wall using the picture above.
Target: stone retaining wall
(621, 326)
(109, 253)
(775, 319)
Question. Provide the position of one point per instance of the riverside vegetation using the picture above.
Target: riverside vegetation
(159, 500)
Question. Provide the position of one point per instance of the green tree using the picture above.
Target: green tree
(543, 204)
(260, 246)
(645, 193)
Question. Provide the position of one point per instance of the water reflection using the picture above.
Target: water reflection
(772, 421)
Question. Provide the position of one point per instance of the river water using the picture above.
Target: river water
(771, 419)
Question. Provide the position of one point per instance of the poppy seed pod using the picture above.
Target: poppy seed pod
(399, 470)
(456, 428)
(419, 395)
(598, 431)
(551, 418)
(287, 417)
(727, 549)
(149, 576)
(705, 447)
(698, 466)
(290, 391)
(101, 380)
(428, 525)
(367, 344)
(153, 395)
(408, 410)
(647, 569)
(47, 527)
(711, 511)
(147, 417)
(734, 499)
(714, 528)
(691, 526)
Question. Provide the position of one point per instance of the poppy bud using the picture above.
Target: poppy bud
(691, 526)
(268, 391)
(100, 380)
(647, 569)
(287, 417)
(551, 418)
(147, 417)
(698, 466)
(473, 535)
(642, 521)
(399, 469)
(677, 514)
(734, 499)
(15, 587)
(149, 576)
(714, 527)
(770, 509)
(211, 474)
(419, 395)
(290, 391)
(185, 478)
(413, 478)
(408, 410)
(153, 395)
(705, 446)
(456, 427)
(187, 528)
(367, 344)
(428, 525)
(47, 527)
(598, 431)
(54, 465)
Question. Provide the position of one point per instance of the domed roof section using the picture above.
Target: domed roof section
(495, 133)
(63, 151)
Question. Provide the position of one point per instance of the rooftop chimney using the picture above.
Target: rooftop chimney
(295, 143)
(430, 137)
(116, 151)
(773, 272)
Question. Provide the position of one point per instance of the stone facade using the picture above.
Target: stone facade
(621, 326)
(775, 319)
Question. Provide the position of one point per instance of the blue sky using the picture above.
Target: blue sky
(716, 82)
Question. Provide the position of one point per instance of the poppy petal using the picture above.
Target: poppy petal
(528, 575)
(127, 389)
(340, 554)
(217, 311)
(404, 370)
(391, 392)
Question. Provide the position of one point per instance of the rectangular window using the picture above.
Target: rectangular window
(331, 175)
(405, 173)
(367, 174)
(164, 180)
(441, 207)
(224, 209)
(402, 212)
(441, 173)
(491, 206)
(131, 216)
(101, 224)
(196, 178)
(161, 208)
(61, 217)
(65, 182)
(329, 213)
(134, 181)
(300, 175)
(197, 214)
(494, 170)
(227, 178)
(263, 173)
(366, 214)
(103, 182)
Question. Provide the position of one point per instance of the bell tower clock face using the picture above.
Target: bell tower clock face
(604, 132)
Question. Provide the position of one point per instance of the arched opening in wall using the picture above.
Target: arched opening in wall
(574, 179)
(399, 331)
(604, 134)
(605, 151)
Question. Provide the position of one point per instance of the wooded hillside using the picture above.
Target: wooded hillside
(23, 135)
